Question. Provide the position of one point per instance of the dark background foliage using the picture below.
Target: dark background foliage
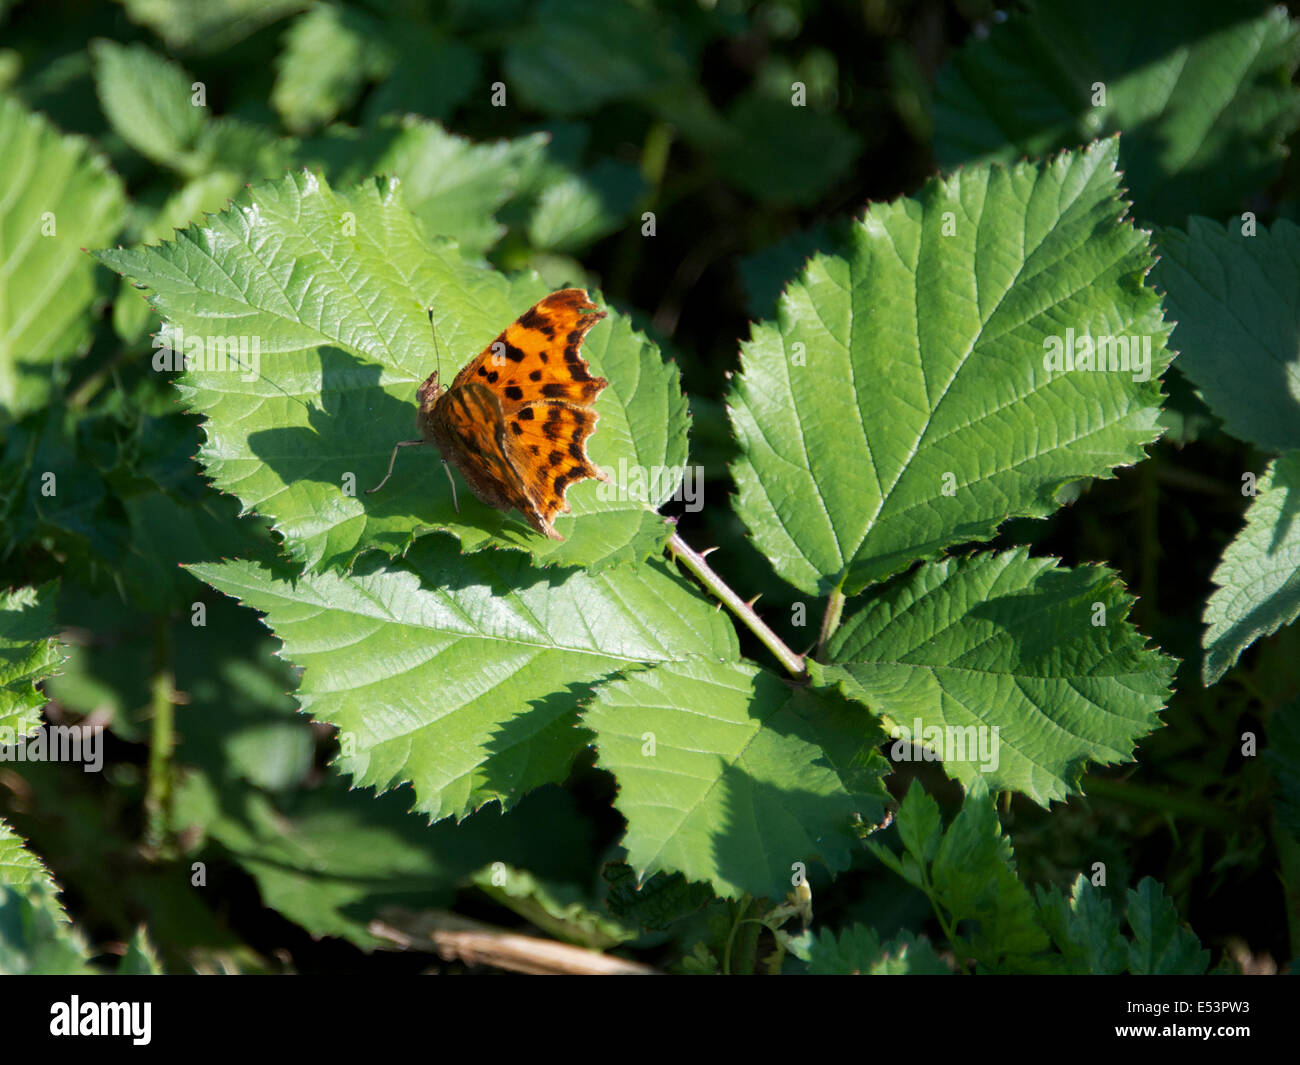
(680, 108)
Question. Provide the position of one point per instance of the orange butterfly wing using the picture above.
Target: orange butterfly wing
(516, 419)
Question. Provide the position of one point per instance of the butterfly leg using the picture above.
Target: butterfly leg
(452, 480)
(391, 460)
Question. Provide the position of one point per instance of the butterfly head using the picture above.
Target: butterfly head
(427, 394)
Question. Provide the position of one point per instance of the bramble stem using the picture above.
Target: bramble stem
(694, 562)
(830, 621)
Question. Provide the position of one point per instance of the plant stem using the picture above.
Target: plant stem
(162, 738)
(1150, 798)
(88, 388)
(830, 620)
(694, 562)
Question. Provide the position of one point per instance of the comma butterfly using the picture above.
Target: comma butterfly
(515, 421)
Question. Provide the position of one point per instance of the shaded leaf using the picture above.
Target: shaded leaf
(729, 776)
(1257, 582)
(1235, 299)
(859, 951)
(1201, 92)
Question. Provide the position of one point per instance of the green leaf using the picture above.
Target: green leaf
(239, 147)
(579, 54)
(330, 52)
(1084, 928)
(660, 901)
(332, 859)
(1235, 300)
(1282, 756)
(29, 652)
(766, 272)
(147, 101)
(728, 775)
(453, 185)
(330, 290)
(190, 203)
(1257, 582)
(1161, 945)
(55, 199)
(141, 958)
(35, 937)
(1015, 671)
(858, 951)
(55, 489)
(559, 910)
(460, 674)
(920, 825)
(782, 154)
(19, 867)
(579, 209)
(1201, 92)
(907, 399)
(432, 75)
(974, 879)
(971, 877)
(211, 26)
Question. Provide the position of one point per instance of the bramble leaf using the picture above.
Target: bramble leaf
(1235, 298)
(1018, 671)
(330, 52)
(35, 936)
(727, 775)
(909, 398)
(19, 867)
(1201, 92)
(331, 858)
(29, 652)
(1257, 582)
(56, 198)
(461, 674)
(147, 100)
(323, 296)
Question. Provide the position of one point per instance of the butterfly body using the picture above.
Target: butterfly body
(515, 421)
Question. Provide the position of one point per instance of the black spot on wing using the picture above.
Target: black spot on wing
(554, 425)
(563, 480)
(532, 319)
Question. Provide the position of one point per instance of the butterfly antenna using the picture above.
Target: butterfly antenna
(437, 353)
